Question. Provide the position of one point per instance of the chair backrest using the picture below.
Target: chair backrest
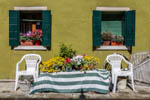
(32, 61)
(115, 61)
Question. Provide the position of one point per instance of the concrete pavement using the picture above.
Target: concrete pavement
(7, 91)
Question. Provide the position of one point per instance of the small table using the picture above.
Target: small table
(75, 81)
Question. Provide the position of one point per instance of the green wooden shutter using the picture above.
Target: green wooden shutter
(96, 28)
(46, 28)
(14, 18)
(129, 34)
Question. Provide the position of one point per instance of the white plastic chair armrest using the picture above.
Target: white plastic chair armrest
(130, 67)
(19, 62)
(129, 63)
(105, 62)
(126, 61)
(37, 66)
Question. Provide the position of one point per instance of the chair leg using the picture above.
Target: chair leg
(16, 83)
(132, 82)
(113, 78)
(115, 83)
(34, 76)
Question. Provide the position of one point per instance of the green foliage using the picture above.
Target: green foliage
(66, 51)
(24, 38)
(119, 39)
(106, 36)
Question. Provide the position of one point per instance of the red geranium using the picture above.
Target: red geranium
(68, 60)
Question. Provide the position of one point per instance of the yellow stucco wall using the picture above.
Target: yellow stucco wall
(71, 24)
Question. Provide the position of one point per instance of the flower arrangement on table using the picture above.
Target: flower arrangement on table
(69, 61)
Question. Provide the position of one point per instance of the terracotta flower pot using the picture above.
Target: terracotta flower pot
(121, 43)
(26, 43)
(37, 42)
(21, 43)
(113, 43)
(106, 43)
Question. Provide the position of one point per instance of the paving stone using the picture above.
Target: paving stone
(7, 91)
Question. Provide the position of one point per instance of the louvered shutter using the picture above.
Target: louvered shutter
(46, 28)
(97, 28)
(129, 34)
(14, 18)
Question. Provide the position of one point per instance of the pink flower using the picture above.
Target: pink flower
(68, 60)
(28, 34)
(84, 55)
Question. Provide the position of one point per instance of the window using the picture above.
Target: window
(29, 29)
(113, 29)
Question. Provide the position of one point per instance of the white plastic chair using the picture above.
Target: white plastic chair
(115, 61)
(32, 67)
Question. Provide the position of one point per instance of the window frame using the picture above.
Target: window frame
(41, 8)
(109, 9)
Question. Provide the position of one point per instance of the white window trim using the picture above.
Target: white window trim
(112, 9)
(30, 47)
(31, 8)
(112, 48)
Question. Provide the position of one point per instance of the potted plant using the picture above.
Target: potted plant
(68, 65)
(37, 41)
(114, 40)
(106, 38)
(78, 62)
(66, 51)
(120, 40)
(22, 40)
(37, 36)
(26, 40)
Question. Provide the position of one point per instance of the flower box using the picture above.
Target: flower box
(26, 43)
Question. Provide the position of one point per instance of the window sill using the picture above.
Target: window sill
(30, 48)
(112, 48)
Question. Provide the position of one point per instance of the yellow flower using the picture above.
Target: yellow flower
(63, 67)
(50, 70)
(85, 66)
(49, 65)
(62, 59)
(44, 70)
(59, 63)
(40, 65)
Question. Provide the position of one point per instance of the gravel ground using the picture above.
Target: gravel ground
(7, 91)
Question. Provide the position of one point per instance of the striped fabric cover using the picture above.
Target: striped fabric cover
(69, 82)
